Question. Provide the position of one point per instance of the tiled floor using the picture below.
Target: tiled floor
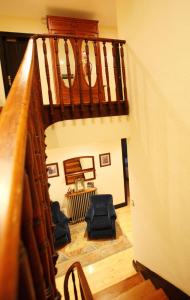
(114, 268)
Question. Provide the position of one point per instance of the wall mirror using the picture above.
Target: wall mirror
(79, 167)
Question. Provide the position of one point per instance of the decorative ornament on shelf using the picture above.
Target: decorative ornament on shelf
(90, 184)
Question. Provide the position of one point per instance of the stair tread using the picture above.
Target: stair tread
(140, 291)
(118, 288)
(157, 295)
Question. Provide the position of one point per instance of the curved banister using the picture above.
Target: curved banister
(84, 287)
(13, 129)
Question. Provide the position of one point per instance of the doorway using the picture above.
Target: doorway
(12, 49)
(125, 169)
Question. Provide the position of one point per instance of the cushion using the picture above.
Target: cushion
(100, 222)
(101, 211)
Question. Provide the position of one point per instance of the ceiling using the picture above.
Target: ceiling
(102, 10)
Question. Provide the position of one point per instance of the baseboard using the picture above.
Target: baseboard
(171, 291)
(120, 205)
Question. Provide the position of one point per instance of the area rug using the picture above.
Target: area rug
(89, 251)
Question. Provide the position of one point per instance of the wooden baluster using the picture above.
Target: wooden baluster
(43, 188)
(30, 242)
(69, 73)
(89, 73)
(44, 208)
(114, 45)
(78, 66)
(37, 78)
(38, 140)
(40, 150)
(83, 284)
(59, 74)
(107, 72)
(39, 226)
(47, 76)
(26, 287)
(81, 292)
(74, 285)
(123, 72)
(97, 58)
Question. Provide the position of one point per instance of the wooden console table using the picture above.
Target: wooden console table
(78, 204)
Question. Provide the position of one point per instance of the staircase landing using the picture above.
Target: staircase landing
(55, 113)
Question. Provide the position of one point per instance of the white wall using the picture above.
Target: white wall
(70, 139)
(157, 33)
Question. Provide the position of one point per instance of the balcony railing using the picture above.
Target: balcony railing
(82, 77)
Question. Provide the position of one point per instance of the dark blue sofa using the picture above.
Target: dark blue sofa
(100, 217)
(62, 232)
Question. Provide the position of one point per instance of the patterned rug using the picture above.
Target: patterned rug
(88, 251)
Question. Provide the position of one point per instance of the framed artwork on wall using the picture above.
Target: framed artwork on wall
(105, 159)
(52, 170)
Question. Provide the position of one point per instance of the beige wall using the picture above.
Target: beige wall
(88, 137)
(157, 34)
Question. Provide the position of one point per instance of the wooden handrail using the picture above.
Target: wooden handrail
(13, 129)
(97, 39)
(84, 287)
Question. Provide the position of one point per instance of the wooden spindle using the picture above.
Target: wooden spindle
(59, 74)
(40, 150)
(106, 71)
(97, 59)
(69, 73)
(123, 72)
(26, 286)
(45, 211)
(78, 66)
(37, 81)
(38, 216)
(74, 285)
(47, 75)
(40, 158)
(115, 71)
(89, 73)
(81, 292)
(30, 242)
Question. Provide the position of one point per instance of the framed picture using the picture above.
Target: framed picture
(52, 170)
(105, 159)
(79, 185)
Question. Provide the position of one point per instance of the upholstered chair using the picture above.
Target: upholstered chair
(61, 232)
(100, 217)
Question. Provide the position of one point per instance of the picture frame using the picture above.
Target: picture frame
(52, 170)
(79, 185)
(105, 159)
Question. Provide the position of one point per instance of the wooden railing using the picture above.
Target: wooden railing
(27, 255)
(83, 75)
(80, 288)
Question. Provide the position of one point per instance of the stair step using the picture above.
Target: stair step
(157, 295)
(139, 292)
(118, 288)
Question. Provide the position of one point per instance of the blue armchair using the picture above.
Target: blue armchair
(62, 232)
(101, 216)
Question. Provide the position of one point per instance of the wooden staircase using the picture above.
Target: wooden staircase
(132, 288)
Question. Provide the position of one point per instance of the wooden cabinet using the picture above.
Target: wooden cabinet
(72, 26)
(79, 90)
